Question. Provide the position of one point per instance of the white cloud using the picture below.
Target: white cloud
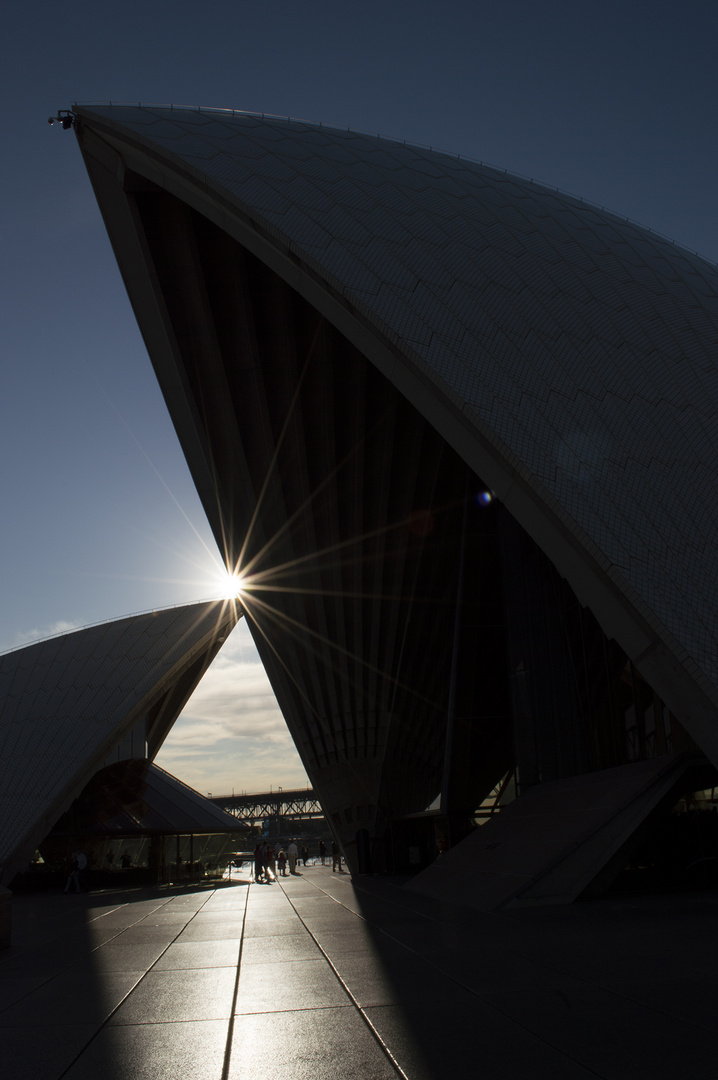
(231, 735)
(24, 637)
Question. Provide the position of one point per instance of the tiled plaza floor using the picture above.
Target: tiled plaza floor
(316, 977)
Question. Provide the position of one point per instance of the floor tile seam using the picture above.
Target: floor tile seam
(252, 934)
(57, 926)
(370, 923)
(362, 1012)
(487, 1000)
(346, 882)
(124, 928)
(273, 963)
(104, 1023)
(563, 1052)
(405, 903)
(673, 1017)
(296, 1009)
(45, 942)
(221, 913)
(185, 921)
(128, 903)
(143, 1025)
(61, 913)
(329, 896)
(586, 1069)
(63, 970)
(582, 980)
(195, 967)
(225, 1018)
(257, 914)
(514, 952)
(227, 1057)
(284, 917)
(452, 978)
(110, 911)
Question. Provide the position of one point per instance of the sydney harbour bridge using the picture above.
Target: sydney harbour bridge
(289, 806)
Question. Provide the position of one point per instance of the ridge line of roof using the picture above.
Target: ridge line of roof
(107, 622)
(406, 142)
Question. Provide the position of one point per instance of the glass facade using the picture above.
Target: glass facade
(137, 823)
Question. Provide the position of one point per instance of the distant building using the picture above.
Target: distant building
(458, 431)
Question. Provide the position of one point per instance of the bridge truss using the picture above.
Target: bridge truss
(300, 804)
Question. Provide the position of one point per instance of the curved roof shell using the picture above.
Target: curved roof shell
(135, 797)
(568, 355)
(67, 702)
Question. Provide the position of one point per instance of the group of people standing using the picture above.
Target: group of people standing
(336, 855)
(268, 862)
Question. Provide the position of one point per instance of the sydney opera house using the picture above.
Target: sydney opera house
(457, 433)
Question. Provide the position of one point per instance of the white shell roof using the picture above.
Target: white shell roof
(585, 344)
(67, 701)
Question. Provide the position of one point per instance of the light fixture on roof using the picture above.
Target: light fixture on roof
(65, 117)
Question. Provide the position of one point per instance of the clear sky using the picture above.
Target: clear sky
(616, 102)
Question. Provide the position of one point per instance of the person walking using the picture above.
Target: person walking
(77, 876)
(82, 865)
(292, 852)
(322, 851)
(73, 876)
(258, 865)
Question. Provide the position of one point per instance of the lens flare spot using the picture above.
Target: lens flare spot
(484, 498)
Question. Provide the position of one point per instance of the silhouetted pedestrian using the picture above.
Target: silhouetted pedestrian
(73, 879)
(77, 877)
(258, 864)
(82, 872)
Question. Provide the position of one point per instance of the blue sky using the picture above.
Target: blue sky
(615, 102)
